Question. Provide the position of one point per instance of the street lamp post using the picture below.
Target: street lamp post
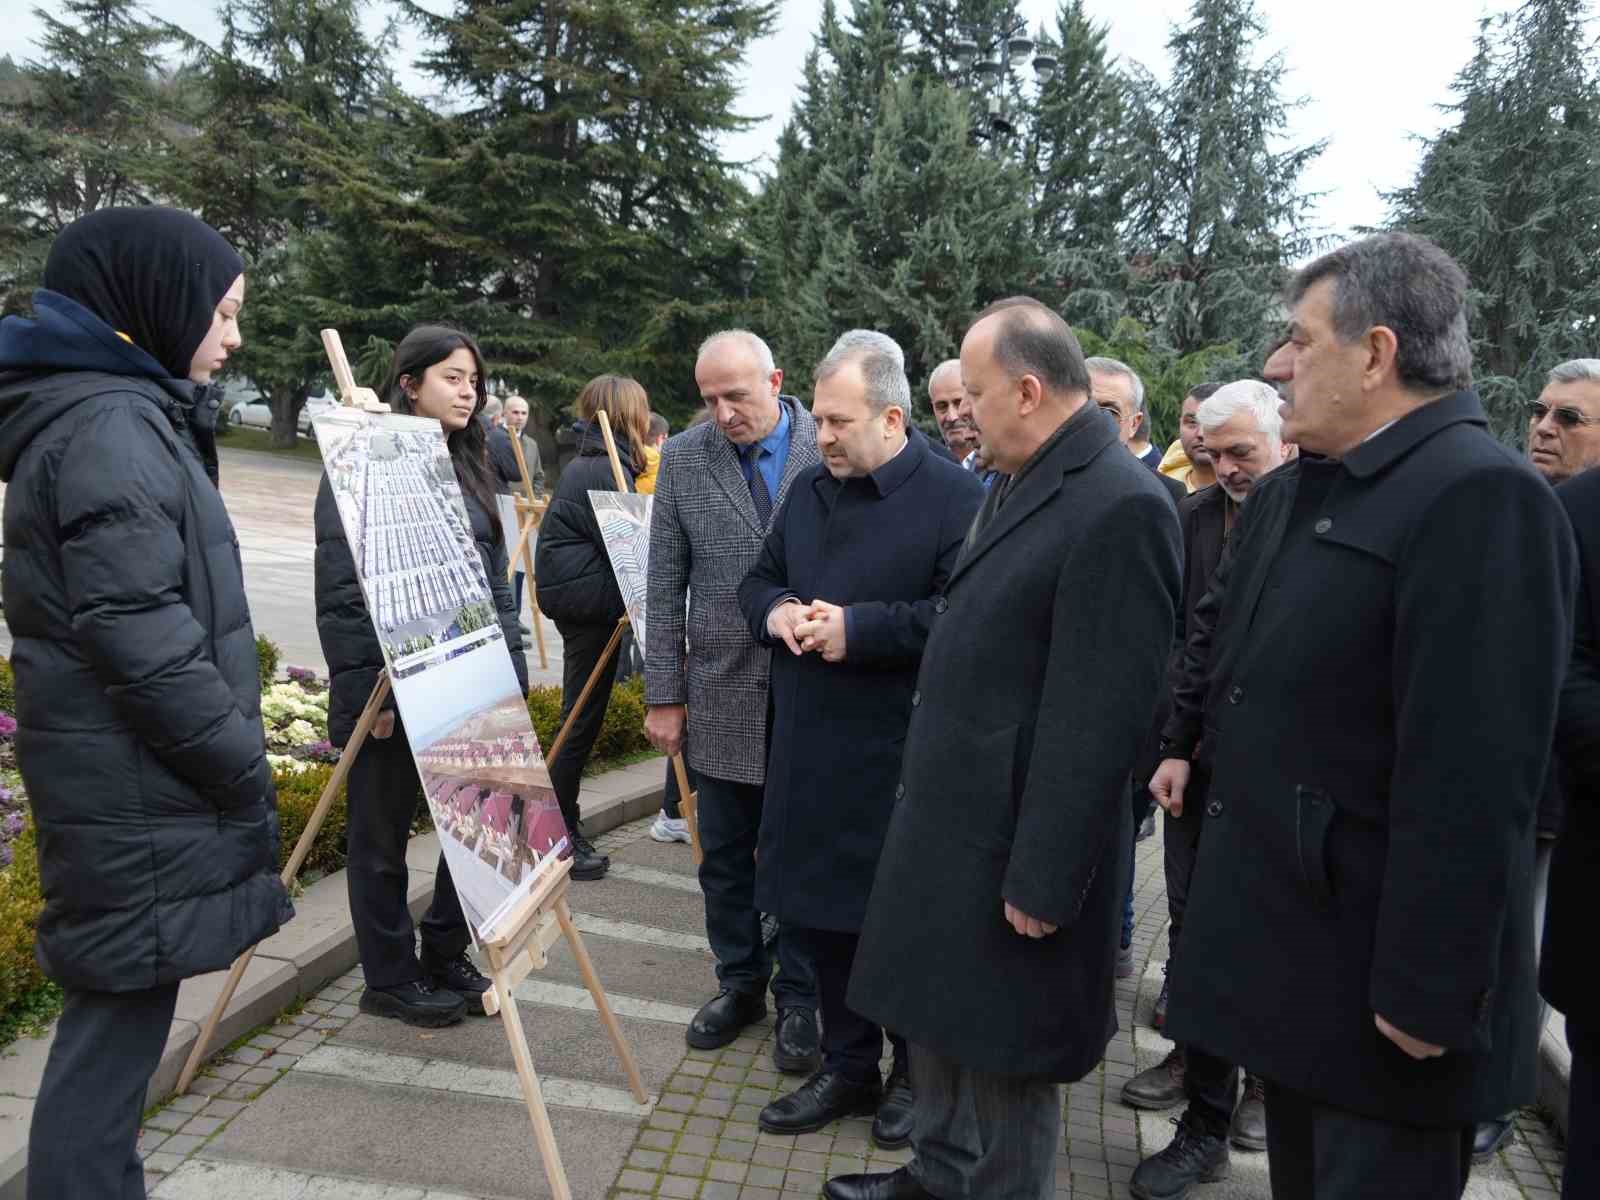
(992, 62)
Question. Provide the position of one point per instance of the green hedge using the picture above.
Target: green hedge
(25, 995)
(268, 656)
(8, 688)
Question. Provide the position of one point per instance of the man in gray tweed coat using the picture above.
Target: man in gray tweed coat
(719, 487)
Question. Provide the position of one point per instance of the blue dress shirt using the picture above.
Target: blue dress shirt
(770, 454)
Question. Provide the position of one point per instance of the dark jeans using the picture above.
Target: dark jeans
(85, 1133)
(851, 1044)
(516, 590)
(1325, 1153)
(1127, 900)
(730, 819)
(669, 797)
(384, 790)
(1582, 1177)
(1180, 850)
(1211, 1086)
(581, 648)
(979, 1136)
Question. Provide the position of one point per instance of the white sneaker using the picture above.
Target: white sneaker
(669, 829)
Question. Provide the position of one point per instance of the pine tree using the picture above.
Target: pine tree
(1512, 190)
(83, 127)
(1217, 212)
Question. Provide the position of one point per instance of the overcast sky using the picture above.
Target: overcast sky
(1373, 74)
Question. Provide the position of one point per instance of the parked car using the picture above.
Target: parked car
(257, 414)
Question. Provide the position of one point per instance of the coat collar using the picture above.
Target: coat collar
(887, 478)
(1089, 431)
(723, 458)
(1411, 430)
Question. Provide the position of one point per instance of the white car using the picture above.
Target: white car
(257, 414)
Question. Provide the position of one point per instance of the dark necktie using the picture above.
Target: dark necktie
(758, 486)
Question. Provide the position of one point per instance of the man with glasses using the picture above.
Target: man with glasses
(1564, 422)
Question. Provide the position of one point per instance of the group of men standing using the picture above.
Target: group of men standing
(920, 696)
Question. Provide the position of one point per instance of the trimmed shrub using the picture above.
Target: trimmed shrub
(20, 902)
(621, 735)
(268, 656)
(8, 687)
(298, 792)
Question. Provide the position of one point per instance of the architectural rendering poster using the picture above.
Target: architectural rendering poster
(481, 767)
(625, 527)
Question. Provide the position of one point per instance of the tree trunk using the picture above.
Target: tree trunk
(286, 406)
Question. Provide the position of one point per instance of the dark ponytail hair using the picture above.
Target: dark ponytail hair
(423, 347)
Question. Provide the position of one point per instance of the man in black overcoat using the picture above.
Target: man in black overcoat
(848, 586)
(990, 939)
(1372, 680)
(1565, 967)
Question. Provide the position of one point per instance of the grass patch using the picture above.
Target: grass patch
(259, 440)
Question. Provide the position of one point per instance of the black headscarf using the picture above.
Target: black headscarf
(154, 274)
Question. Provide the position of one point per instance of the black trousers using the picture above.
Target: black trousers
(1180, 851)
(384, 791)
(1325, 1153)
(851, 1044)
(1211, 1085)
(581, 649)
(1582, 1176)
(85, 1135)
(730, 820)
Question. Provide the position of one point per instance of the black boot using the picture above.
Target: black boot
(415, 1003)
(1248, 1130)
(796, 1048)
(461, 976)
(1489, 1136)
(896, 1185)
(820, 1101)
(587, 862)
(891, 1128)
(723, 1017)
(1190, 1158)
(1160, 1087)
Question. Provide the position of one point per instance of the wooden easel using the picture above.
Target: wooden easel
(291, 870)
(530, 511)
(688, 802)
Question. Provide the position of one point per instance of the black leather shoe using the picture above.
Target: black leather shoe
(891, 1128)
(461, 976)
(723, 1018)
(795, 1046)
(1248, 1130)
(1190, 1158)
(1160, 1087)
(417, 1003)
(821, 1100)
(587, 862)
(1158, 1015)
(1489, 1136)
(897, 1185)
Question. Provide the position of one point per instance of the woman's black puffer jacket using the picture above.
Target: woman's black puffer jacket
(571, 568)
(350, 644)
(138, 693)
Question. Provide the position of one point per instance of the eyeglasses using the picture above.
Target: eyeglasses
(1567, 418)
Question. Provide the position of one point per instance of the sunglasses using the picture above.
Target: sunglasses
(1567, 418)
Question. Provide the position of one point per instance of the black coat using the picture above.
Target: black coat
(1036, 686)
(350, 644)
(1567, 957)
(1375, 672)
(138, 693)
(882, 546)
(575, 579)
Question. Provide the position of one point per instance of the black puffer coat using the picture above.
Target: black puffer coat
(574, 574)
(138, 695)
(349, 643)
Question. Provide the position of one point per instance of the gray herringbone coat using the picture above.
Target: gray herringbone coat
(704, 537)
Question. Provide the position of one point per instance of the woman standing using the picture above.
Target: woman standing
(577, 589)
(138, 695)
(437, 372)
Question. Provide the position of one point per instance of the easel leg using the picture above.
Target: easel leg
(607, 1018)
(537, 622)
(689, 806)
(291, 869)
(544, 1134)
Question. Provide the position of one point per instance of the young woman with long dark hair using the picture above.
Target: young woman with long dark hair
(437, 372)
(577, 589)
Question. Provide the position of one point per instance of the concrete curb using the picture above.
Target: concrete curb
(1555, 1070)
(317, 946)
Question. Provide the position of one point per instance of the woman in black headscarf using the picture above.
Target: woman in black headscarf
(138, 694)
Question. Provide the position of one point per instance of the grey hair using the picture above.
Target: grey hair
(745, 338)
(1115, 366)
(1251, 396)
(492, 407)
(519, 398)
(882, 364)
(1576, 370)
(943, 369)
(1408, 284)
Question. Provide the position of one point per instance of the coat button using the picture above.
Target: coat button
(940, 604)
(1324, 525)
(1236, 695)
(1214, 809)
(900, 792)
(916, 699)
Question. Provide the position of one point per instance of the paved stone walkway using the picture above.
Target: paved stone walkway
(329, 1103)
